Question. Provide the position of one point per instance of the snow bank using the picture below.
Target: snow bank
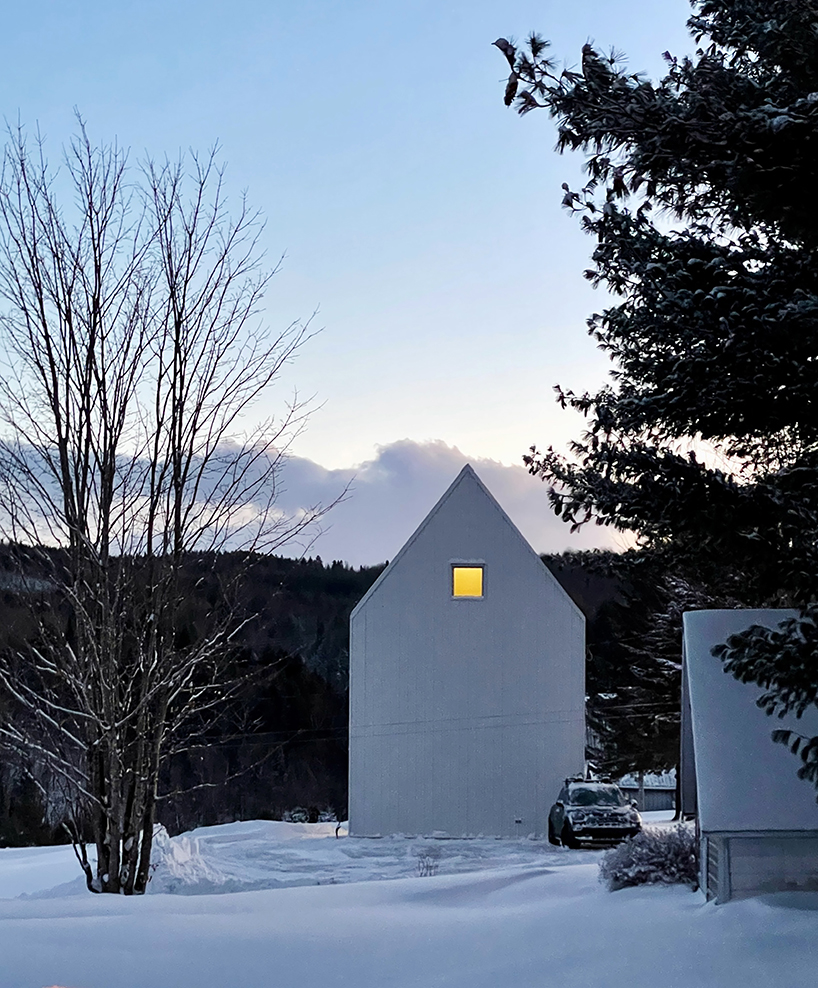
(526, 928)
(263, 854)
(499, 913)
(270, 854)
(180, 867)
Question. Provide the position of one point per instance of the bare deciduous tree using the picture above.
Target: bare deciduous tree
(133, 346)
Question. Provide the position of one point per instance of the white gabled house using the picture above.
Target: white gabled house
(467, 683)
(758, 822)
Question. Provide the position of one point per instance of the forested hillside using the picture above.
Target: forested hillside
(283, 743)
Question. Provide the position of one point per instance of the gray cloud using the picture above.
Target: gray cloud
(391, 494)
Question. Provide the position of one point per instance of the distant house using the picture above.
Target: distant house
(466, 680)
(659, 789)
(758, 821)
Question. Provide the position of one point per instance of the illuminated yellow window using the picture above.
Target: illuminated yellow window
(467, 581)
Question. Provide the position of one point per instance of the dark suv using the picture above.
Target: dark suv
(588, 813)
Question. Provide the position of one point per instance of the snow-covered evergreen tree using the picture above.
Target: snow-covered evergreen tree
(701, 201)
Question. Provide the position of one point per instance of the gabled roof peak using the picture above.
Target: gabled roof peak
(470, 475)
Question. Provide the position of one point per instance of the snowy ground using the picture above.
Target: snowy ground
(497, 913)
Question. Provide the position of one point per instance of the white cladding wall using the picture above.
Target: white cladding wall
(744, 781)
(465, 715)
(758, 820)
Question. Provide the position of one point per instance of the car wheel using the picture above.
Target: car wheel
(552, 837)
(568, 839)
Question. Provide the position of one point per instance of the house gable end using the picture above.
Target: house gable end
(467, 476)
(466, 708)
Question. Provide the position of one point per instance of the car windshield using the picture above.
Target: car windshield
(597, 796)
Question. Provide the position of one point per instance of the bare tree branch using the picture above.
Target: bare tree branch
(133, 348)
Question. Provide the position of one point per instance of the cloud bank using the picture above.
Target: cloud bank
(393, 492)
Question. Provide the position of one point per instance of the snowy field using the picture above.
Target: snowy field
(252, 905)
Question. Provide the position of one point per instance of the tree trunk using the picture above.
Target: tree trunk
(143, 874)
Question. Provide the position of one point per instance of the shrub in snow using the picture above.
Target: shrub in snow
(428, 857)
(296, 815)
(308, 814)
(656, 855)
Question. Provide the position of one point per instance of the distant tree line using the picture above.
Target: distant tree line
(280, 743)
(284, 742)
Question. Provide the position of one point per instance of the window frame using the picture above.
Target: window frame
(467, 564)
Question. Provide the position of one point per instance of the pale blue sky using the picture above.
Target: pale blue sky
(416, 212)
